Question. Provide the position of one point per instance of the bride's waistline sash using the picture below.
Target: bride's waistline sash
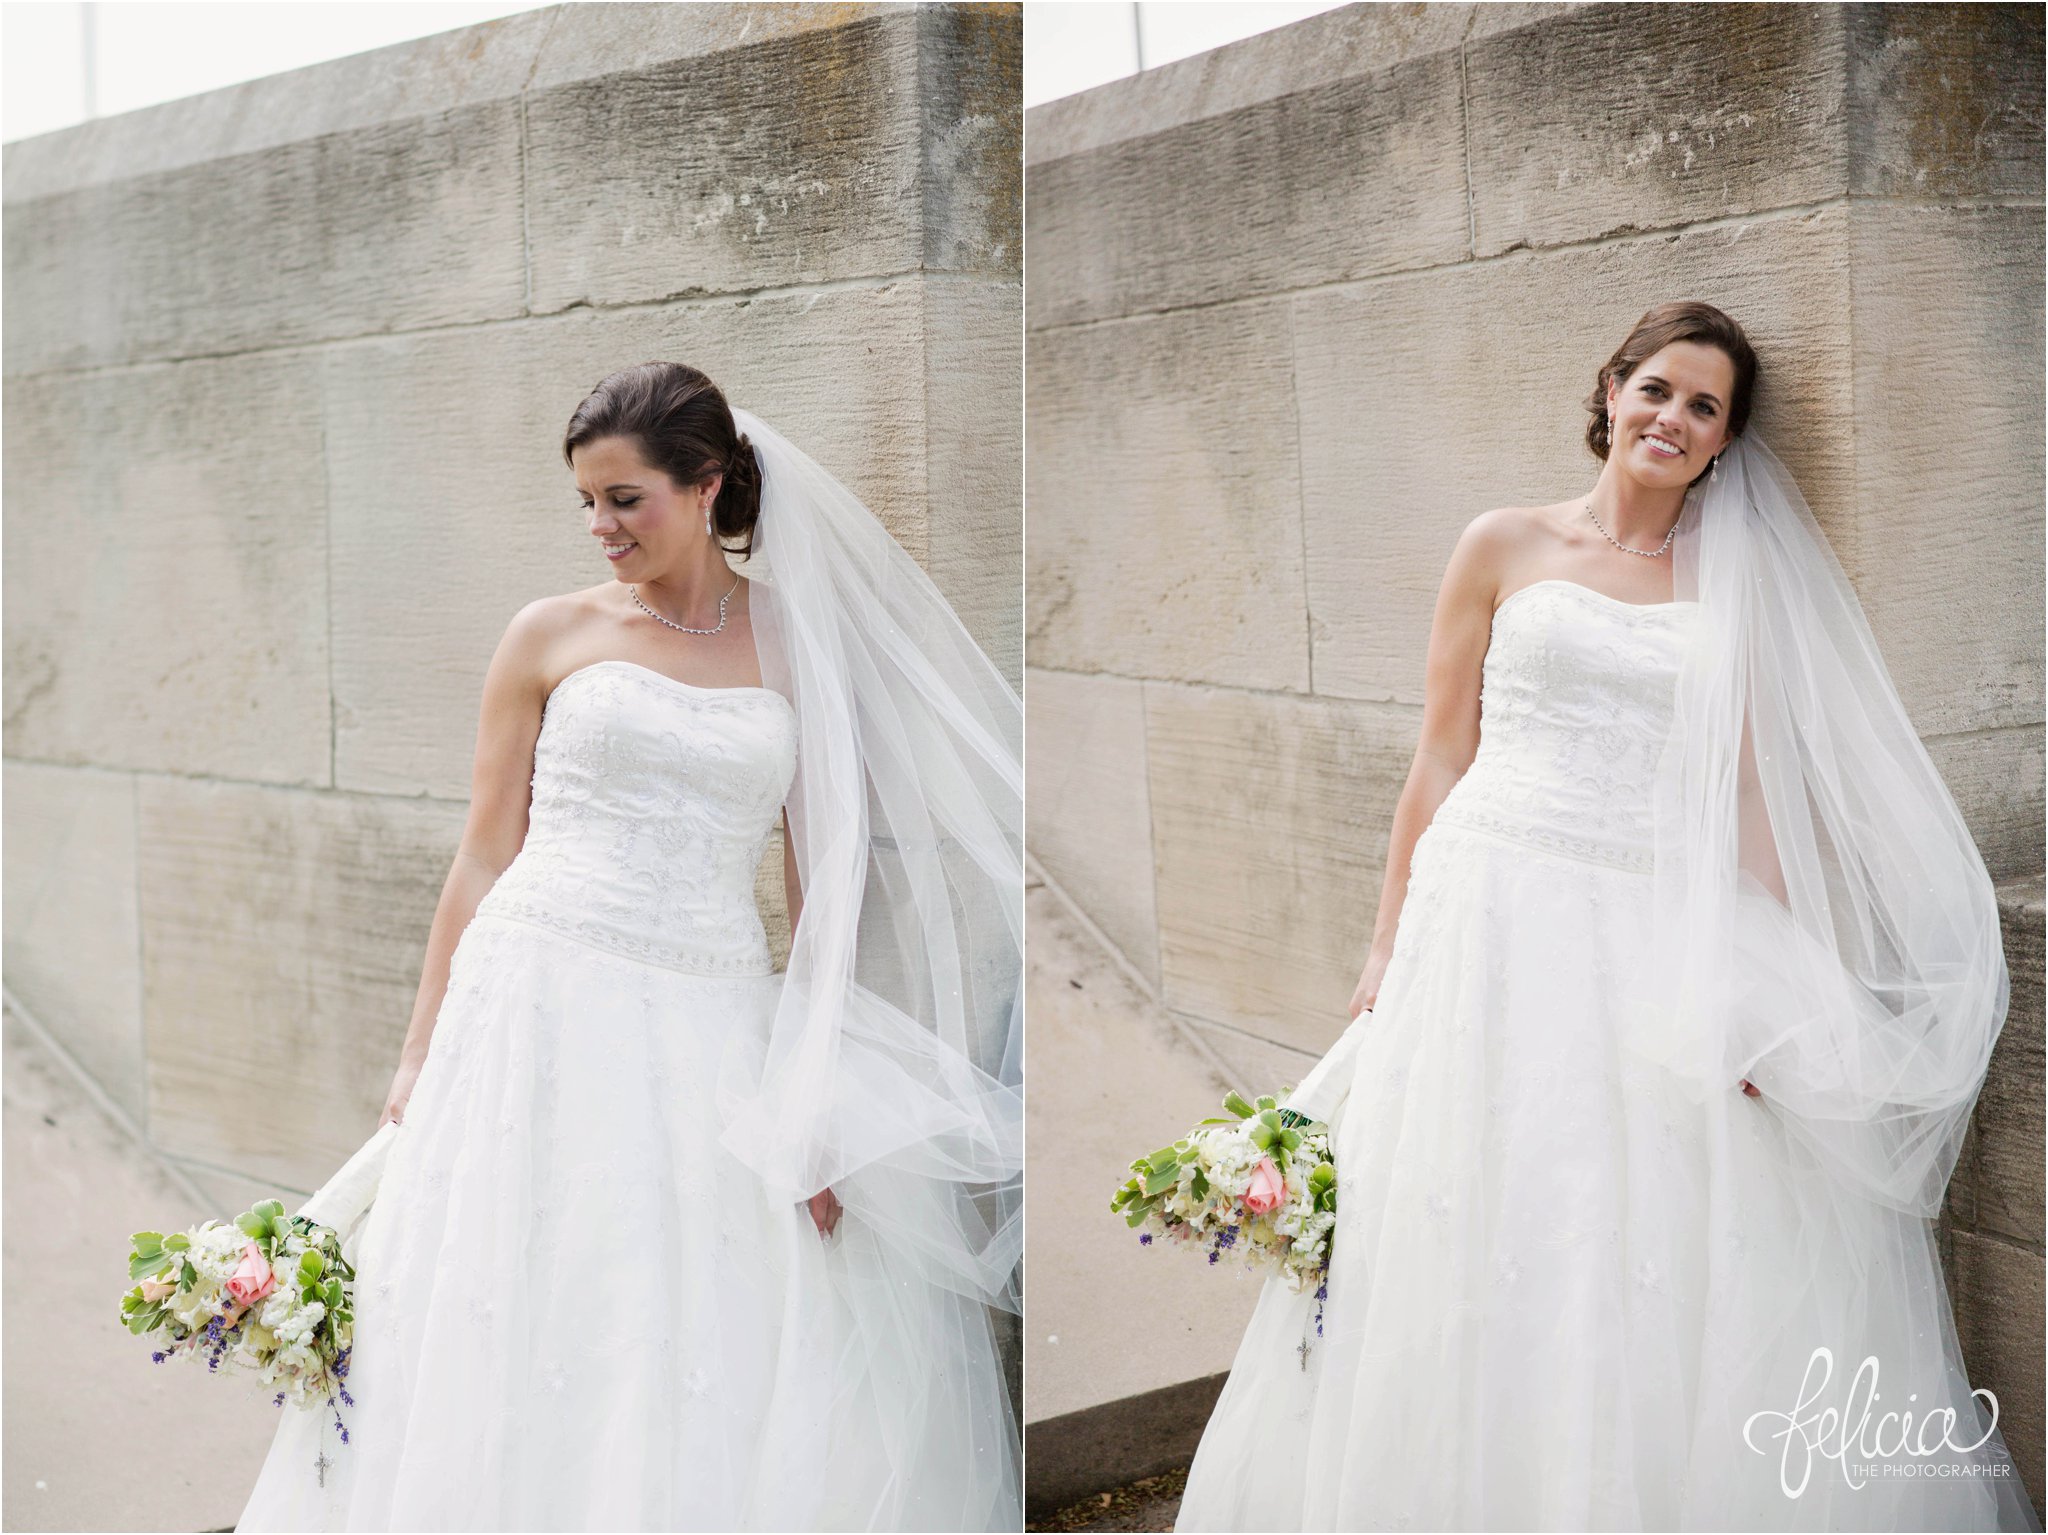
(1636, 857)
(601, 936)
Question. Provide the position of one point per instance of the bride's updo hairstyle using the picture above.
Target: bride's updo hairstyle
(684, 428)
(1682, 320)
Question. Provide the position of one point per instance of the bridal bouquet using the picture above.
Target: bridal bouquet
(271, 1294)
(1260, 1183)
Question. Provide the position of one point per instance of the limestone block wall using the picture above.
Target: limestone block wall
(1301, 307)
(286, 371)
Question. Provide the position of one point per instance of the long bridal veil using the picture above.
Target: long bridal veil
(892, 1071)
(1827, 929)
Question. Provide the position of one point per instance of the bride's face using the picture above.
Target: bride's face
(1669, 417)
(645, 522)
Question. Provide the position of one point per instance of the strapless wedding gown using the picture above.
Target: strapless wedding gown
(575, 1310)
(1559, 1288)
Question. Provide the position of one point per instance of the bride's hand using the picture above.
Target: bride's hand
(1750, 1088)
(1368, 990)
(401, 1091)
(825, 1211)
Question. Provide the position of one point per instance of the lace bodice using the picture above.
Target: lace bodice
(1575, 700)
(653, 803)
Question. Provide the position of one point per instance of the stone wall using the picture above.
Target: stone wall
(286, 371)
(1302, 307)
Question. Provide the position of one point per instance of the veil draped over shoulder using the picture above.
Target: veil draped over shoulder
(1827, 930)
(892, 1072)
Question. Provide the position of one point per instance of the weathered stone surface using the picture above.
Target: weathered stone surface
(166, 537)
(1426, 400)
(424, 77)
(283, 938)
(1089, 819)
(378, 229)
(2009, 1123)
(970, 80)
(73, 947)
(1332, 46)
(793, 161)
(1258, 1065)
(585, 42)
(1944, 100)
(1161, 476)
(1949, 457)
(447, 522)
(974, 461)
(1112, 1079)
(1617, 118)
(1327, 183)
(1997, 777)
(2000, 1303)
(1270, 820)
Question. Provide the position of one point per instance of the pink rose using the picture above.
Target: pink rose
(1267, 1188)
(252, 1278)
(154, 1290)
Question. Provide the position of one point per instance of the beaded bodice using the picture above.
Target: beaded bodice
(653, 803)
(1576, 695)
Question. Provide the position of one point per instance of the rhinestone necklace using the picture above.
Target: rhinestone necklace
(685, 628)
(1648, 554)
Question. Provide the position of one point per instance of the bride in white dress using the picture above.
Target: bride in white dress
(665, 1239)
(1686, 976)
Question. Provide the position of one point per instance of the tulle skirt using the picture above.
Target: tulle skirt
(1567, 1294)
(577, 1311)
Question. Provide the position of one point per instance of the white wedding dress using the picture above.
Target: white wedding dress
(1560, 1287)
(575, 1310)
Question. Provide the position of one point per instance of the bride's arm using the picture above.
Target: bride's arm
(500, 795)
(1458, 637)
(792, 885)
(823, 1206)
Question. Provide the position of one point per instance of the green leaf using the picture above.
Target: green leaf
(1234, 1101)
(142, 1265)
(1268, 1101)
(311, 1264)
(188, 1276)
(1137, 1218)
(148, 1241)
(1160, 1182)
(177, 1242)
(1262, 1136)
(1291, 1139)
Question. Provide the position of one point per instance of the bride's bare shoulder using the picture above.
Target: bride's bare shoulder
(1497, 539)
(1517, 526)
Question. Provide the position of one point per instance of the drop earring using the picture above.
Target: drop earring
(707, 516)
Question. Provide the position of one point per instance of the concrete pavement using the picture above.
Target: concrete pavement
(97, 1437)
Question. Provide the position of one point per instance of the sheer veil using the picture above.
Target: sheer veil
(892, 1071)
(1827, 929)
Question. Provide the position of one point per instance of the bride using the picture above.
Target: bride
(1686, 976)
(665, 1239)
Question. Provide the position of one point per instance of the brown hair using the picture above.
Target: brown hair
(684, 428)
(1680, 320)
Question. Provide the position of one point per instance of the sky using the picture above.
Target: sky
(144, 53)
